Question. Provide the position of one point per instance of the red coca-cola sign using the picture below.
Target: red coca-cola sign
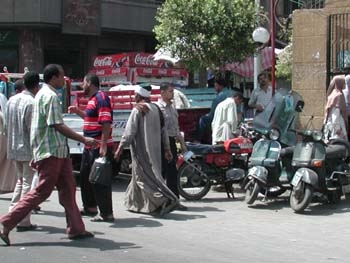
(143, 60)
(111, 61)
(103, 61)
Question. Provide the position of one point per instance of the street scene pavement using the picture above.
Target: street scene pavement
(214, 229)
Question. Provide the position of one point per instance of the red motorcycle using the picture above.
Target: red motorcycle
(205, 165)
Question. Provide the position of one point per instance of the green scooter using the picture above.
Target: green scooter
(322, 170)
(270, 170)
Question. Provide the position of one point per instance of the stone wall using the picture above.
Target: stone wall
(310, 54)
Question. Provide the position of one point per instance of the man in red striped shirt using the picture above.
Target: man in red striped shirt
(98, 117)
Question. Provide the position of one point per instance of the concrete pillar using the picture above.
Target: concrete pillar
(92, 51)
(31, 52)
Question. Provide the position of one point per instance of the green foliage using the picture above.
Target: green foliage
(206, 33)
(284, 63)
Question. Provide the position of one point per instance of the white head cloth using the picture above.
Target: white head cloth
(141, 91)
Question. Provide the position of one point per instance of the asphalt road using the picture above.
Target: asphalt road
(214, 229)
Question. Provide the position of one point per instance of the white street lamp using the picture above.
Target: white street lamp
(260, 35)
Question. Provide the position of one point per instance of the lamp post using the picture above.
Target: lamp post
(260, 35)
(272, 33)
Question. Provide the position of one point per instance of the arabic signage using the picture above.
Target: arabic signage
(81, 17)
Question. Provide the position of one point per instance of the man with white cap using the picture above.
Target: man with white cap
(144, 134)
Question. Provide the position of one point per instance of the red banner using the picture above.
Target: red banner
(161, 72)
(110, 71)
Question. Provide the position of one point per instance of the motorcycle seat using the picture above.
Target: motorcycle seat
(339, 142)
(336, 151)
(287, 151)
(200, 149)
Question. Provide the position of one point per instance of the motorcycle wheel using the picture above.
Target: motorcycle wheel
(299, 201)
(273, 191)
(192, 184)
(252, 191)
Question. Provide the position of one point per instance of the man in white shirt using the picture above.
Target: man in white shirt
(261, 96)
(226, 119)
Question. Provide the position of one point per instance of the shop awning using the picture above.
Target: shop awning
(246, 67)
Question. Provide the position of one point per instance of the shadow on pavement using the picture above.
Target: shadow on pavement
(319, 209)
(45, 212)
(224, 198)
(93, 243)
(203, 209)
(136, 222)
(181, 217)
(271, 204)
(314, 209)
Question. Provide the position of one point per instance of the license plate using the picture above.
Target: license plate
(296, 179)
(346, 188)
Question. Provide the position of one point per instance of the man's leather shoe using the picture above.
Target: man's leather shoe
(83, 235)
(181, 207)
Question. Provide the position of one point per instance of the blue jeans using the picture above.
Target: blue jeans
(204, 124)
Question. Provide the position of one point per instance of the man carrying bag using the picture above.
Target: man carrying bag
(98, 117)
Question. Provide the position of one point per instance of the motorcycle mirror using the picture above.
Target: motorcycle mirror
(300, 105)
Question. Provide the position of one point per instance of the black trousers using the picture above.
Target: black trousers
(93, 195)
(169, 170)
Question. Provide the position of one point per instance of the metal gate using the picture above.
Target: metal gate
(338, 45)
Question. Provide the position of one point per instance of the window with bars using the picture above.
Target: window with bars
(338, 44)
(308, 4)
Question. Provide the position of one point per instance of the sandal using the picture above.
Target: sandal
(84, 235)
(109, 219)
(5, 238)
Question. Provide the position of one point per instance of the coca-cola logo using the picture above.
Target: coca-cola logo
(145, 60)
(100, 72)
(175, 73)
(162, 72)
(147, 70)
(103, 62)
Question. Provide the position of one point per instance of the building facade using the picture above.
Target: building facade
(321, 50)
(34, 33)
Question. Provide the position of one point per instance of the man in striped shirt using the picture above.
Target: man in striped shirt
(19, 118)
(51, 158)
(98, 117)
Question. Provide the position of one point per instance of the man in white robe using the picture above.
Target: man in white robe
(225, 119)
(147, 191)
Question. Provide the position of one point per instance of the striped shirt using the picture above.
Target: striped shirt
(170, 114)
(46, 141)
(97, 112)
(19, 117)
